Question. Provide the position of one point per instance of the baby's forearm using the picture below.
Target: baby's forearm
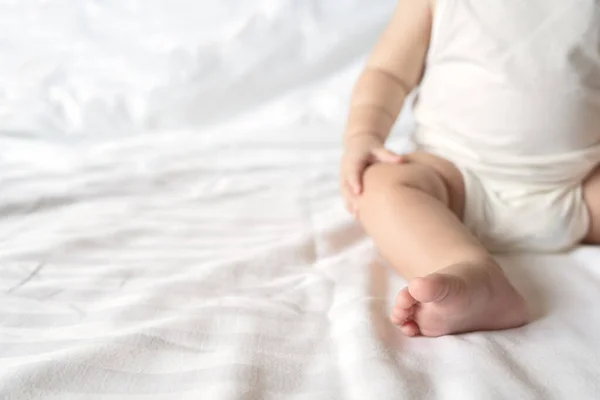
(376, 102)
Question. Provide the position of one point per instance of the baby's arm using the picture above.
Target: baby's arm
(392, 72)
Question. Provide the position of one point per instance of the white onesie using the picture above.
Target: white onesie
(511, 95)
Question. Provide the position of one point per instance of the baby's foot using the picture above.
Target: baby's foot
(460, 298)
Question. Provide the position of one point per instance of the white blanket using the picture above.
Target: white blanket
(170, 225)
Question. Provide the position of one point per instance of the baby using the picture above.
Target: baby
(506, 148)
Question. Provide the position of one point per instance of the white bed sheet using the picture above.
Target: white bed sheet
(170, 226)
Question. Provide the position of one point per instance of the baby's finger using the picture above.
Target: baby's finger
(350, 208)
(348, 197)
(354, 178)
(386, 156)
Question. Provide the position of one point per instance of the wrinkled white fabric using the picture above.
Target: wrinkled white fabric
(170, 224)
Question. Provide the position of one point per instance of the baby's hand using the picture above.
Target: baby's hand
(360, 152)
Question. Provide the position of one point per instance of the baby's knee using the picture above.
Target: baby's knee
(382, 179)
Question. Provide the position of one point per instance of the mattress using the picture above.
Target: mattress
(170, 224)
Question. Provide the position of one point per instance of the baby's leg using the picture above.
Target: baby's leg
(591, 194)
(410, 210)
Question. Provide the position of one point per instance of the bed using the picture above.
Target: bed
(170, 225)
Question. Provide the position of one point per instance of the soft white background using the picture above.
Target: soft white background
(170, 225)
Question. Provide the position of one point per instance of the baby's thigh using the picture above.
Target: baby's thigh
(591, 195)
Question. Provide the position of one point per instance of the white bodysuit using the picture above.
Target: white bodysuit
(511, 95)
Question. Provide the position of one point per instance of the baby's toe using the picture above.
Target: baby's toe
(410, 328)
(400, 315)
(404, 299)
